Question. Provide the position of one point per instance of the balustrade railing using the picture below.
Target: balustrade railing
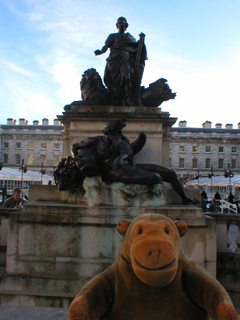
(222, 206)
(227, 207)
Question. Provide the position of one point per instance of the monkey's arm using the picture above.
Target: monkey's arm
(93, 301)
(208, 293)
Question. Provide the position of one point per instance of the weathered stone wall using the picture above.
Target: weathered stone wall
(55, 247)
(228, 273)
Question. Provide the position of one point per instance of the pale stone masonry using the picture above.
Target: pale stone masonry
(197, 150)
(192, 150)
(35, 144)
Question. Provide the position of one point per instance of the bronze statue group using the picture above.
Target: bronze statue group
(111, 155)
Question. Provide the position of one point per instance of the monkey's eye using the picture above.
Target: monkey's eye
(166, 230)
(140, 231)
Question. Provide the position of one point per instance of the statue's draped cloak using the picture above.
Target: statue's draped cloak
(120, 63)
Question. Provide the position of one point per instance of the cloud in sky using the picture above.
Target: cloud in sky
(18, 69)
(47, 45)
(42, 105)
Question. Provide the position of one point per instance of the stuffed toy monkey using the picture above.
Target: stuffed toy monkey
(152, 279)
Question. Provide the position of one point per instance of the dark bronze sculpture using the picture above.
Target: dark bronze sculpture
(123, 75)
(111, 156)
(125, 65)
(92, 88)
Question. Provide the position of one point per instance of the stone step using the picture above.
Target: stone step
(29, 313)
(36, 313)
(31, 299)
(42, 290)
(39, 291)
(41, 211)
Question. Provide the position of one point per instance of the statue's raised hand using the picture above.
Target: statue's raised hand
(97, 52)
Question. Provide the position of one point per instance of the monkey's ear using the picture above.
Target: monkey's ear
(182, 227)
(122, 226)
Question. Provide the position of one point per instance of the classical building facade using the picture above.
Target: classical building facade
(193, 151)
(196, 151)
(36, 144)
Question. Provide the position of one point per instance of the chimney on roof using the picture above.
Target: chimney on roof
(228, 126)
(23, 122)
(182, 124)
(45, 122)
(218, 126)
(35, 122)
(207, 124)
(56, 122)
(10, 121)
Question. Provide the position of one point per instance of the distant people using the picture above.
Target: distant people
(213, 207)
(50, 182)
(204, 198)
(230, 198)
(15, 201)
(218, 198)
(236, 197)
(4, 193)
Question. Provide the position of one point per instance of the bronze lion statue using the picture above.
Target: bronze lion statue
(92, 88)
(95, 93)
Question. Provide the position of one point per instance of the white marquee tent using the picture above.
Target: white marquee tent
(218, 183)
(15, 178)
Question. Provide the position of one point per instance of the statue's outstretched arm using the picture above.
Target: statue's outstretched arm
(103, 50)
(139, 143)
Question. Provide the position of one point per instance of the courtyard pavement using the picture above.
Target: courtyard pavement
(32, 313)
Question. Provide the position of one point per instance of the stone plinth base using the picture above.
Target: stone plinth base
(54, 248)
(119, 194)
(83, 121)
(97, 193)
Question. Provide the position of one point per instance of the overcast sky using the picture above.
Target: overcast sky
(46, 45)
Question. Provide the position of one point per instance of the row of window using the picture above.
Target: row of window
(18, 145)
(18, 160)
(207, 163)
(207, 149)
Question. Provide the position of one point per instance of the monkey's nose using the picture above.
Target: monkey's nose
(154, 252)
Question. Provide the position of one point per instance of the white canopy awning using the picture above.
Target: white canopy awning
(215, 181)
(15, 174)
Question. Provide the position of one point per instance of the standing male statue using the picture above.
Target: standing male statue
(124, 67)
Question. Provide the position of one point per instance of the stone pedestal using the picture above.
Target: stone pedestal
(55, 247)
(82, 121)
(59, 241)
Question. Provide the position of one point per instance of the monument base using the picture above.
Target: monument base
(55, 247)
(85, 121)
